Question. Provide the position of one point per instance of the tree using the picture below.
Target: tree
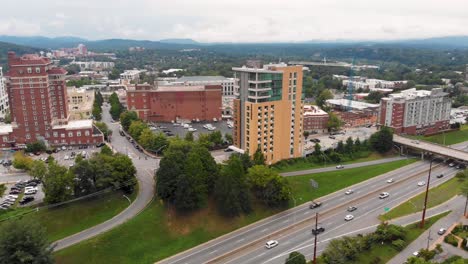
(296, 258)
(123, 172)
(306, 134)
(21, 161)
(58, 183)
(136, 128)
(231, 190)
(189, 136)
(323, 97)
(228, 138)
(268, 186)
(357, 144)
(317, 149)
(104, 129)
(340, 147)
(36, 146)
(374, 97)
(191, 190)
(246, 161)
(382, 141)
(38, 169)
(210, 168)
(126, 119)
(349, 147)
(334, 122)
(105, 150)
(24, 241)
(116, 107)
(216, 138)
(258, 157)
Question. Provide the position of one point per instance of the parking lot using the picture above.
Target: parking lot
(327, 142)
(177, 129)
(21, 193)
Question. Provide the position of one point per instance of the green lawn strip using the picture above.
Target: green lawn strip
(437, 195)
(387, 251)
(158, 233)
(2, 189)
(335, 180)
(451, 138)
(72, 218)
(303, 164)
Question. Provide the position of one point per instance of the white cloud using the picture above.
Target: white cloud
(240, 20)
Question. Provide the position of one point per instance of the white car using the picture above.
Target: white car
(271, 244)
(451, 164)
(28, 192)
(384, 195)
(349, 217)
(211, 128)
(390, 180)
(416, 253)
(230, 126)
(66, 158)
(340, 167)
(348, 192)
(192, 129)
(421, 183)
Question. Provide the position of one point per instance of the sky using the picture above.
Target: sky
(236, 21)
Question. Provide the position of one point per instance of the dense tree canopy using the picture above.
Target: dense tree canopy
(382, 141)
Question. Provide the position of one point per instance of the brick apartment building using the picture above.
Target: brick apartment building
(173, 103)
(315, 119)
(39, 106)
(416, 112)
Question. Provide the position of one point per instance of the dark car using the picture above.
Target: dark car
(440, 176)
(169, 134)
(228, 150)
(100, 144)
(49, 151)
(332, 137)
(317, 231)
(26, 199)
(352, 208)
(315, 204)
(31, 184)
(15, 191)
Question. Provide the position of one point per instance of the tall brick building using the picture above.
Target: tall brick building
(39, 106)
(416, 112)
(172, 103)
(315, 119)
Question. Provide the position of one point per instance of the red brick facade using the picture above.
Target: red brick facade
(39, 105)
(167, 104)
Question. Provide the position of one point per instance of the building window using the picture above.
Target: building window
(29, 70)
(78, 133)
(38, 70)
(86, 133)
(70, 134)
(55, 134)
(62, 135)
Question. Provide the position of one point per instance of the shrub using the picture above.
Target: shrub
(399, 244)
(450, 239)
(464, 246)
(376, 260)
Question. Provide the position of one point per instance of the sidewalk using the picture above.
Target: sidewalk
(430, 237)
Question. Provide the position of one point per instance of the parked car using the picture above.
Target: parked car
(66, 157)
(390, 180)
(228, 150)
(442, 231)
(191, 129)
(26, 199)
(320, 229)
(332, 137)
(100, 144)
(451, 164)
(315, 204)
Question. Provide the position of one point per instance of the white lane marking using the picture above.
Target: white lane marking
(240, 240)
(213, 251)
(264, 230)
(285, 221)
(306, 212)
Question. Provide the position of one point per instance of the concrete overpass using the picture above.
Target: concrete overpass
(432, 148)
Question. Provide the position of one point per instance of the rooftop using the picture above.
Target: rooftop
(413, 93)
(313, 110)
(5, 129)
(76, 124)
(201, 78)
(196, 88)
(354, 104)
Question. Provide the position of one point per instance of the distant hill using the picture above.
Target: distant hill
(5, 47)
(43, 42)
(180, 41)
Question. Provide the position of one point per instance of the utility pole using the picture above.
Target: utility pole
(428, 239)
(466, 204)
(427, 193)
(315, 238)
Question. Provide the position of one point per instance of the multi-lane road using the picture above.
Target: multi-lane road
(292, 228)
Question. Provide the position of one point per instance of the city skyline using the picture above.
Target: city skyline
(242, 21)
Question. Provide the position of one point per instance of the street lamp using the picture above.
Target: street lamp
(427, 193)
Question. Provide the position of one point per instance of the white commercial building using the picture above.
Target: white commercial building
(4, 105)
(130, 75)
(226, 83)
(94, 65)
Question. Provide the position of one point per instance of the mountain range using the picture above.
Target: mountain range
(118, 44)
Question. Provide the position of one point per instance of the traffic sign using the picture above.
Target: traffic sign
(386, 209)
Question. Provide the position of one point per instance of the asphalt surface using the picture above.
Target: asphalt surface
(292, 228)
(145, 172)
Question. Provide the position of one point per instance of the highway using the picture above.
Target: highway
(292, 228)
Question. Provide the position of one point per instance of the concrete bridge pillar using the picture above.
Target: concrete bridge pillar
(422, 155)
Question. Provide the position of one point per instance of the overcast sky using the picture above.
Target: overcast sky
(236, 20)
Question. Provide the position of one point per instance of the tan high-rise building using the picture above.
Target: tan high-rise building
(268, 111)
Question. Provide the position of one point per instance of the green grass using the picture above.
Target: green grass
(387, 251)
(2, 189)
(437, 195)
(303, 164)
(72, 218)
(335, 180)
(451, 138)
(158, 232)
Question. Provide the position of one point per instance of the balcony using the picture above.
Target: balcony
(257, 97)
(265, 89)
(259, 81)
